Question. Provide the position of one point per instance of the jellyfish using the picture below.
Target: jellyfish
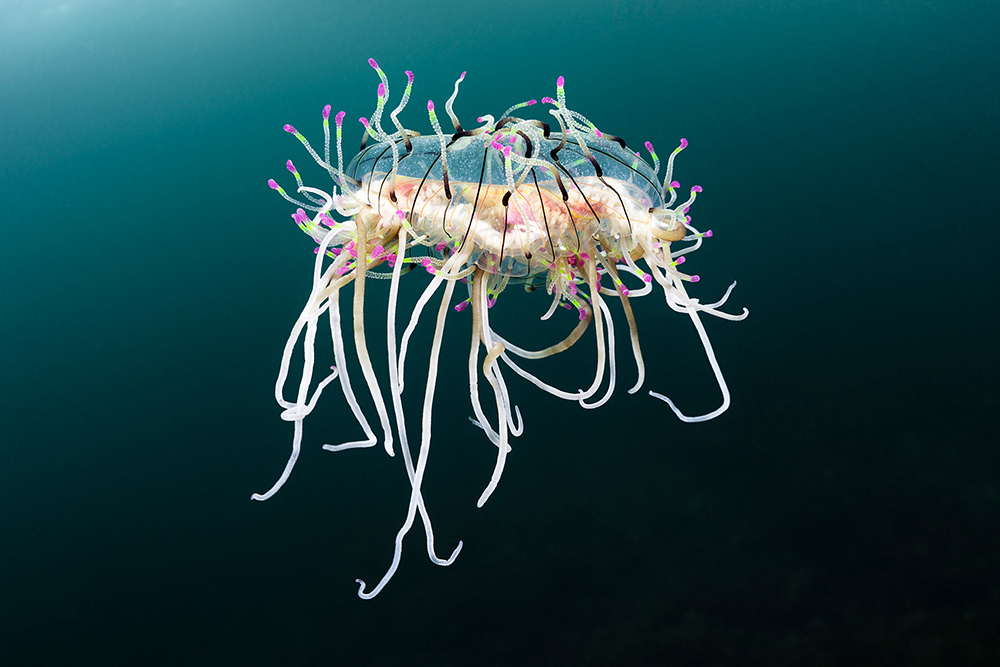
(514, 200)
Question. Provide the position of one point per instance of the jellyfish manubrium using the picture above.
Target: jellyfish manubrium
(512, 201)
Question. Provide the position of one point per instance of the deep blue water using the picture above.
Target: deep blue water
(844, 511)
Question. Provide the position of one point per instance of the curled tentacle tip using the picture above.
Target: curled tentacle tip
(409, 76)
(548, 100)
(675, 184)
(340, 117)
(290, 129)
(696, 188)
(272, 184)
(326, 112)
(363, 121)
(684, 143)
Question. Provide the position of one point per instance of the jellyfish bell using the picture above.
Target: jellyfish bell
(555, 203)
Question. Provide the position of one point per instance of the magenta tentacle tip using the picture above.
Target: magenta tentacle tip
(290, 167)
(381, 90)
(363, 121)
(649, 147)
(695, 279)
(548, 100)
(462, 78)
(696, 188)
(708, 233)
(409, 76)
(430, 105)
(530, 102)
(340, 117)
(560, 82)
(326, 112)
(684, 143)
(675, 184)
(371, 61)
(271, 183)
(290, 129)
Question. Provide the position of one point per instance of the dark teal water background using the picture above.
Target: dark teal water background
(844, 511)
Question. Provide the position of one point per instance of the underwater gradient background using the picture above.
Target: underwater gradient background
(844, 511)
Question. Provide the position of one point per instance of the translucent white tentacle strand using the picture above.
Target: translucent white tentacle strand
(673, 287)
(492, 372)
(298, 411)
(345, 380)
(359, 333)
(397, 400)
(425, 441)
(715, 369)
